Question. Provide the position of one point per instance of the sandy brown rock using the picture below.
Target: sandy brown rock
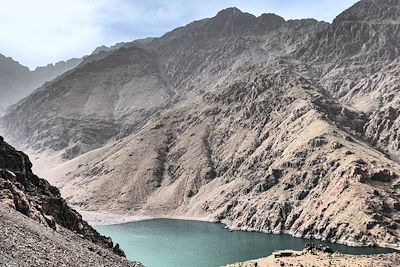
(115, 92)
(357, 61)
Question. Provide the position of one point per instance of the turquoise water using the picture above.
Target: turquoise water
(174, 243)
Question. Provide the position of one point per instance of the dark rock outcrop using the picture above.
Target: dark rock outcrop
(23, 191)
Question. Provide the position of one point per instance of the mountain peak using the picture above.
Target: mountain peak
(372, 11)
(230, 11)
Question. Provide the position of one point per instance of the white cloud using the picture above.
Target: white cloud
(42, 31)
(37, 32)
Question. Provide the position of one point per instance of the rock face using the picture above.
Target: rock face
(261, 123)
(35, 198)
(106, 96)
(357, 61)
(17, 81)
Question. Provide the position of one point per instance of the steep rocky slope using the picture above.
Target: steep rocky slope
(25, 243)
(35, 198)
(114, 92)
(357, 60)
(18, 81)
(263, 154)
(202, 54)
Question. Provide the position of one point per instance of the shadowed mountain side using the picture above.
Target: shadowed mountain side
(18, 81)
(95, 103)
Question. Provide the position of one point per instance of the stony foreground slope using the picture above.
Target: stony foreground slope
(314, 258)
(25, 243)
(48, 221)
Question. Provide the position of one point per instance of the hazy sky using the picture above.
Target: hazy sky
(38, 32)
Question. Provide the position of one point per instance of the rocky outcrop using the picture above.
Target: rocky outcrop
(35, 198)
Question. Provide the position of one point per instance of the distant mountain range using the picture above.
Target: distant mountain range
(18, 81)
(258, 122)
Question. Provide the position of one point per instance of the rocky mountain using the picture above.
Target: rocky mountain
(260, 123)
(18, 81)
(357, 61)
(114, 93)
(138, 42)
(47, 218)
(80, 114)
(263, 154)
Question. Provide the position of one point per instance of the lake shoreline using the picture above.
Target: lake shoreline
(105, 218)
(203, 244)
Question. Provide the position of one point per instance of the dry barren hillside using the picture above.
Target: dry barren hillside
(357, 61)
(263, 154)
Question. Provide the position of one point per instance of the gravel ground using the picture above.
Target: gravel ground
(24, 242)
